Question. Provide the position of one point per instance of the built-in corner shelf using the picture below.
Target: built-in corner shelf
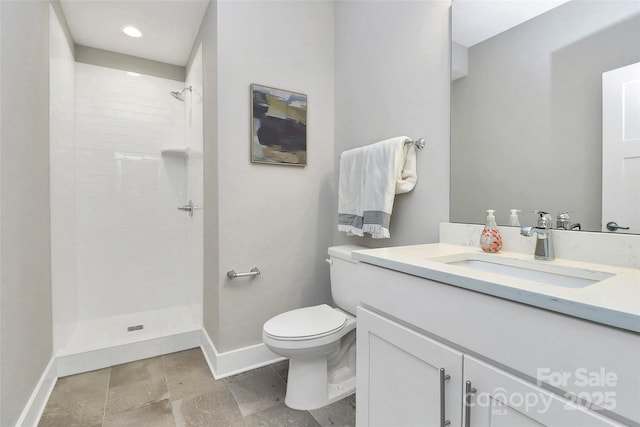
(175, 152)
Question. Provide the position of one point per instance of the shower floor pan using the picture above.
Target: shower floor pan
(108, 341)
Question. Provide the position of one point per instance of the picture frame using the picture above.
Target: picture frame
(278, 126)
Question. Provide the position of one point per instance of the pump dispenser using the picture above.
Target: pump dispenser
(513, 218)
(491, 240)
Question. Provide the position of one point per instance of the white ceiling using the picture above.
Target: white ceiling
(169, 27)
(478, 20)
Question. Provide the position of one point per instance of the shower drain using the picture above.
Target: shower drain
(134, 328)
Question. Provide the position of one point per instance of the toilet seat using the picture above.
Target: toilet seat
(305, 323)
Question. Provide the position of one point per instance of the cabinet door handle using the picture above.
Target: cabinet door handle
(443, 377)
(468, 391)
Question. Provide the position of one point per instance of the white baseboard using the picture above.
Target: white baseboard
(236, 361)
(35, 406)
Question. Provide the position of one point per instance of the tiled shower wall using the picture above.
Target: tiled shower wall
(131, 240)
(62, 183)
(195, 171)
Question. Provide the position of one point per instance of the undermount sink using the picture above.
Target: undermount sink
(537, 271)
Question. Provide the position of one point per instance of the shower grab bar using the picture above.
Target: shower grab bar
(232, 273)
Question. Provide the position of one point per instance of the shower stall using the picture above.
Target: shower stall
(126, 263)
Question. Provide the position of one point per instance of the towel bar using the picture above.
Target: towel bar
(232, 274)
(419, 143)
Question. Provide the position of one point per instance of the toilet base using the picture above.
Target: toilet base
(308, 387)
(321, 370)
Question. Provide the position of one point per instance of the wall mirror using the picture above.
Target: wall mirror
(526, 106)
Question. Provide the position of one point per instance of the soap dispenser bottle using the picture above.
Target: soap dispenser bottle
(513, 218)
(491, 240)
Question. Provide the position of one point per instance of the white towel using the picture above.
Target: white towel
(370, 177)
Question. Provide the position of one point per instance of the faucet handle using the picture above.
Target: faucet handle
(563, 221)
(544, 220)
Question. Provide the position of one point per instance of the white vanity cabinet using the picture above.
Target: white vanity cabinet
(408, 379)
(405, 378)
(495, 398)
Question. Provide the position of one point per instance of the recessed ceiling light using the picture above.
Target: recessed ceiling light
(132, 74)
(132, 32)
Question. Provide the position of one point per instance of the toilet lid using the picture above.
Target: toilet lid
(305, 323)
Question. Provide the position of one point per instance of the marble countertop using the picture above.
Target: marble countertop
(614, 301)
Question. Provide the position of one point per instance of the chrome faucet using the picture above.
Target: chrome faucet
(544, 242)
(563, 222)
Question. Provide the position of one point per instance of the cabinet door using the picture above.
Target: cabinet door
(399, 377)
(499, 399)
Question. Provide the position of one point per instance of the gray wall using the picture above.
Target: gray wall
(274, 217)
(392, 78)
(26, 331)
(527, 120)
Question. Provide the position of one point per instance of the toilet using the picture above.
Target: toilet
(320, 340)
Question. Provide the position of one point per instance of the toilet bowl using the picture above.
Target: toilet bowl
(320, 340)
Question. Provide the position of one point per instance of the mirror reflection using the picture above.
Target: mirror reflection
(526, 110)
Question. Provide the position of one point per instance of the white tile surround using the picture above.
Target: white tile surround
(123, 254)
(62, 184)
(194, 137)
(622, 250)
(131, 240)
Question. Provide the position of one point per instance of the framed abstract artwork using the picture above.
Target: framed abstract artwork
(278, 126)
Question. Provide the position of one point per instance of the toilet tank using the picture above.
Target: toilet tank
(346, 281)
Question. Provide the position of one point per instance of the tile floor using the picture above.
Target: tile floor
(177, 390)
